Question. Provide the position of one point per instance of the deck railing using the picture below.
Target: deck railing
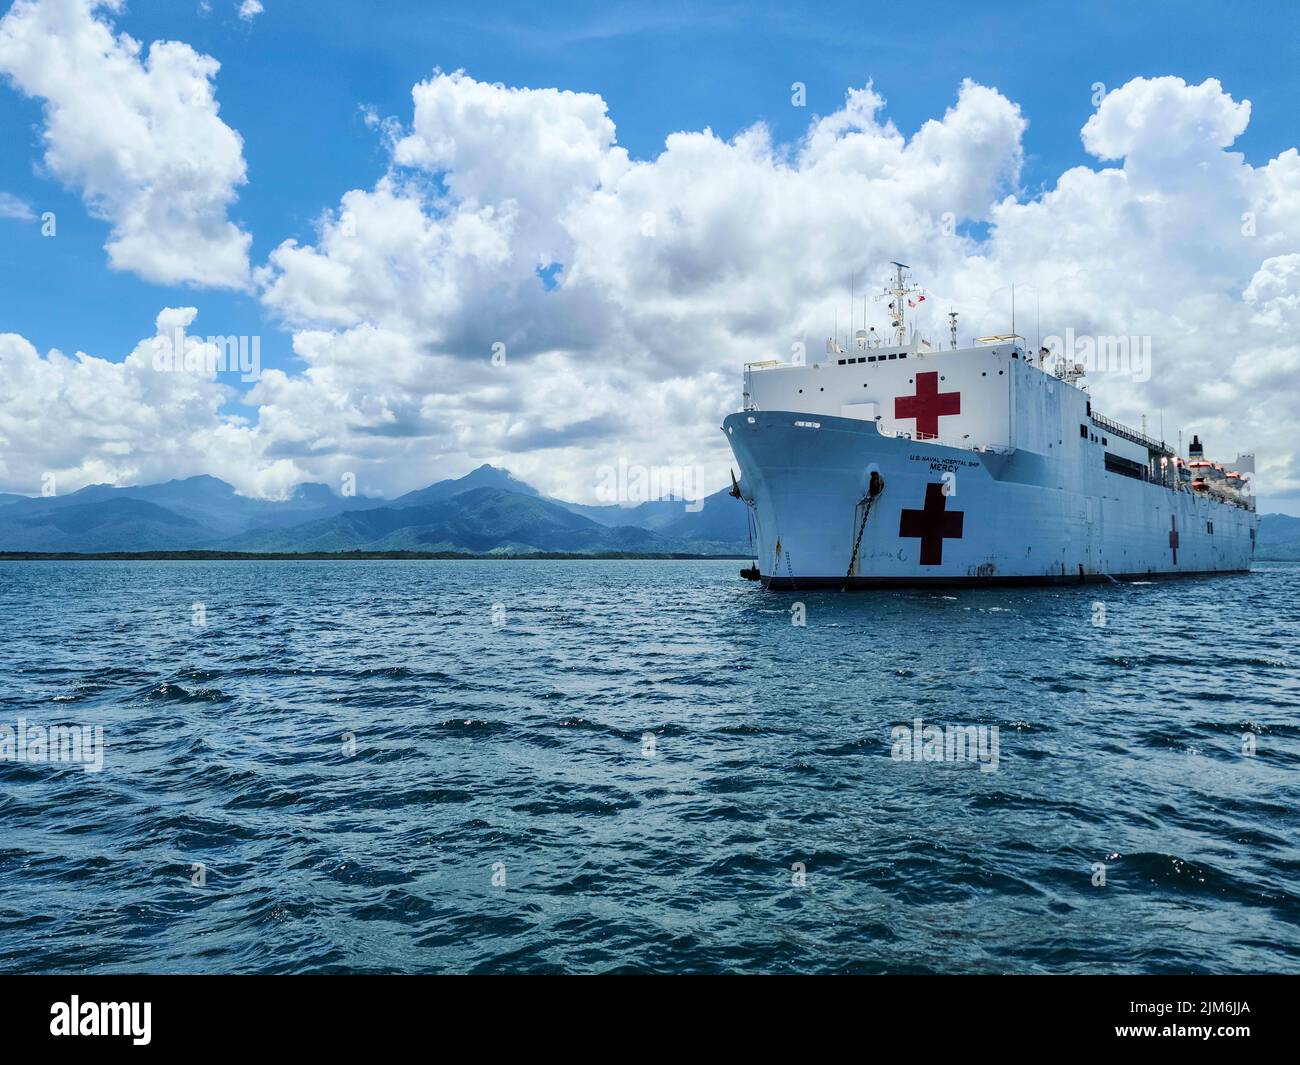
(1148, 442)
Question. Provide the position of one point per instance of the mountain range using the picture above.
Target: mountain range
(488, 511)
(1278, 538)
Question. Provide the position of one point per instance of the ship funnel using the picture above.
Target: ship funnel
(1196, 450)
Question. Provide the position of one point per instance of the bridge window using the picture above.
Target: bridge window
(1083, 431)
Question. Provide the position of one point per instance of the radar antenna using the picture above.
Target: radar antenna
(899, 293)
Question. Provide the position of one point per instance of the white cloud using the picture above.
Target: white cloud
(91, 420)
(1165, 118)
(13, 207)
(250, 9)
(674, 271)
(138, 134)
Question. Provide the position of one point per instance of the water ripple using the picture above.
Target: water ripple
(643, 767)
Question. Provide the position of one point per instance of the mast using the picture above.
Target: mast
(898, 304)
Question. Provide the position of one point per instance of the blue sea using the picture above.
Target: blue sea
(570, 766)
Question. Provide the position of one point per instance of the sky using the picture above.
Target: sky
(550, 237)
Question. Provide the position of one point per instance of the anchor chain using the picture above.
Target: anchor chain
(874, 488)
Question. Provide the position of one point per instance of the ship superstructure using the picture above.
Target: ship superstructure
(899, 464)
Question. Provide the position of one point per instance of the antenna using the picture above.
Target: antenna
(952, 328)
(1038, 323)
(1013, 309)
(898, 306)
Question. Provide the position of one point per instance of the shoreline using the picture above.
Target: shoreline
(344, 556)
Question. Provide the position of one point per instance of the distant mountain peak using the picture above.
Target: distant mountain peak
(485, 476)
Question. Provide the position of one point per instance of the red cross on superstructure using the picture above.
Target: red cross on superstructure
(1173, 537)
(928, 405)
(933, 525)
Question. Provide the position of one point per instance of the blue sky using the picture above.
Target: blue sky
(294, 79)
(1146, 242)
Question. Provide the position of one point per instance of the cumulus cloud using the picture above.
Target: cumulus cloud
(92, 420)
(515, 288)
(138, 134)
(1165, 118)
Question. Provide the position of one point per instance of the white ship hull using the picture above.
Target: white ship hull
(958, 516)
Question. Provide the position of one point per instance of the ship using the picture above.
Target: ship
(892, 462)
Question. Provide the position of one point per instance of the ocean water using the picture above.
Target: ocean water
(643, 766)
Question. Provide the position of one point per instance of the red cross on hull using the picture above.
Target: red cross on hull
(932, 525)
(928, 405)
(1173, 537)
